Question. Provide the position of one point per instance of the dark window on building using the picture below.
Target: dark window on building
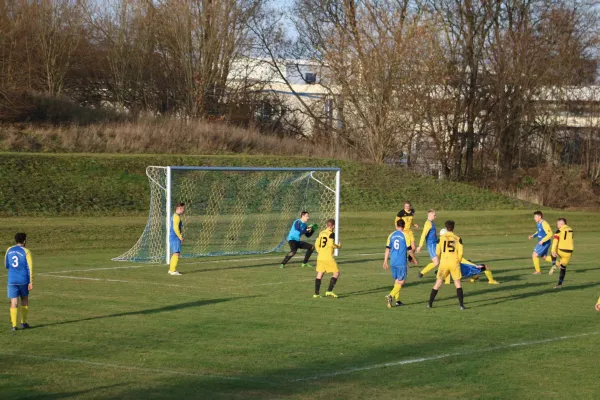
(310, 77)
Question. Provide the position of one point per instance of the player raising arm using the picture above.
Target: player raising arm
(430, 237)
(407, 214)
(450, 252)
(298, 229)
(20, 279)
(176, 238)
(396, 250)
(325, 247)
(544, 237)
(562, 248)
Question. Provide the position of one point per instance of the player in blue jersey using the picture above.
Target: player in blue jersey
(298, 229)
(544, 237)
(469, 269)
(396, 251)
(176, 238)
(20, 279)
(429, 236)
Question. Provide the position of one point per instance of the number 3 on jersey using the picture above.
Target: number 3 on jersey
(15, 262)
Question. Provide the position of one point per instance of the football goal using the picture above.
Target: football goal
(233, 210)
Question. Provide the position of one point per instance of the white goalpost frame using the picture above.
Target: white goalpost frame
(249, 169)
(168, 214)
(337, 210)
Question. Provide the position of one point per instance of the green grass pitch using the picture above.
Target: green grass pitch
(239, 327)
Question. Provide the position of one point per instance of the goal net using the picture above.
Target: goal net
(233, 210)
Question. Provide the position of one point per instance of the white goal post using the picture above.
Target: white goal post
(233, 210)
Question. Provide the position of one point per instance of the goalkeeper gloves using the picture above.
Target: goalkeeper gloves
(313, 227)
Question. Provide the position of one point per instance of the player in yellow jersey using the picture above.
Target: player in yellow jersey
(325, 246)
(176, 238)
(544, 237)
(469, 269)
(449, 251)
(562, 248)
(407, 214)
(429, 236)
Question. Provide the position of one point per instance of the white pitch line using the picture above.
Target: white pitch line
(441, 356)
(228, 288)
(84, 278)
(304, 280)
(189, 263)
(94, 269)
(125, 367)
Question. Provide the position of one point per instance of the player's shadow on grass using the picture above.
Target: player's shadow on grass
(503, 259)
(75, 394)
(292, 264)
(172, 307)
(490, 302)
(382, 290)
(503, 278)
(224, 268)
(358, 261)
(487, 290)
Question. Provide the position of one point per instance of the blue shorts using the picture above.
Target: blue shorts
(175, 246)
(17, 291)
(399, 273)
(542, 250)
(431, 247)
(467, 270)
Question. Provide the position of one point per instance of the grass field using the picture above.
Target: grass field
(242, 328)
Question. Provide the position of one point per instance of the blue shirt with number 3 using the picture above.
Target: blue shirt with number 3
(17, 265)
(397, 244)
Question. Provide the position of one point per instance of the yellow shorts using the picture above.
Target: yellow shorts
(327, 266)
(410, 238)
(453, 271)
(564, 257)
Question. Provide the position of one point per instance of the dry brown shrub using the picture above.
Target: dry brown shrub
(165, 136)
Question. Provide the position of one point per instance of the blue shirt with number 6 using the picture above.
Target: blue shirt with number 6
(397, 244)
(18, 263)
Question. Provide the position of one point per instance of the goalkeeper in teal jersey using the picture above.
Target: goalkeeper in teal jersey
(298, 229)
(176, 238)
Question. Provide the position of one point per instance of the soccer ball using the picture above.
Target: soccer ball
(443, 231)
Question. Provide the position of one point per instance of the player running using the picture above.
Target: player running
(407, 214)
(298, 229)
(325, 247)
(562, 248)
(429, 236)
(544, 236)
(396, 249)
(20, 279)
(449, 251)
(176, 238)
